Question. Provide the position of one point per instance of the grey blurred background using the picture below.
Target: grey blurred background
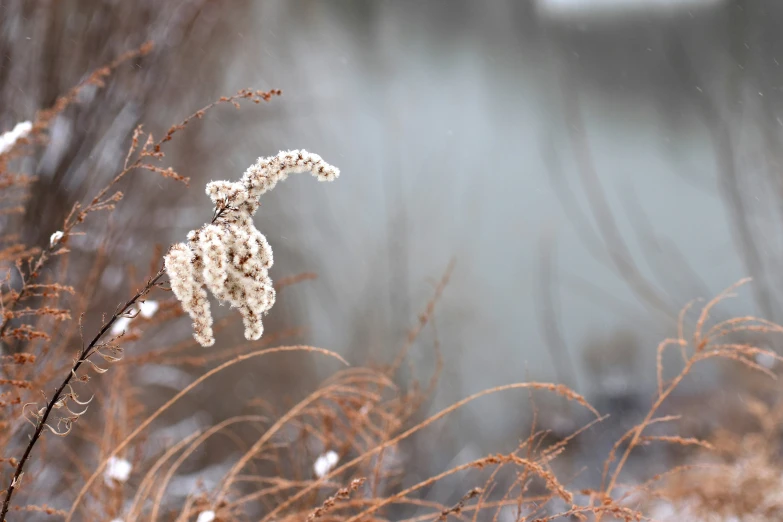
(592, 166)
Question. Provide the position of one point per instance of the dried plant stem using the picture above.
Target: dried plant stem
(645, 423)
(84, 355)
(145, 152)
(50, 405)
(11, 306)
(42, 121)
(122, 445)
(558, 389)
(705, 346)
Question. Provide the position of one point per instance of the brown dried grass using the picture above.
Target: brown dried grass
(360, 413)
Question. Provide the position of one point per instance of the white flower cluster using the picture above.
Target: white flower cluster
(230, 256)
(8, 139)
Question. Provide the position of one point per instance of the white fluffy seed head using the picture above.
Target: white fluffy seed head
(187, 287)
(233, 193)
(229, 256)
(263, 175)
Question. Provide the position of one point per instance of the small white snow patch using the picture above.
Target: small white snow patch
(148, 308)
(117, 470)
(8, 139)
(120, 325)
(325, 463)
(206, 516)
(55, 238)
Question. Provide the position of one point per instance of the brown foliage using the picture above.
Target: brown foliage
(361, 414)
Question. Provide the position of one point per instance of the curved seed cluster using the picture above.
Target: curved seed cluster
(230, 256)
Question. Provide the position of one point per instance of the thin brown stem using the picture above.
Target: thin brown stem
(644, 424)
(42, 122)
(83, 357)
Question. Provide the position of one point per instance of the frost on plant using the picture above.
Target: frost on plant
(229, 256)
